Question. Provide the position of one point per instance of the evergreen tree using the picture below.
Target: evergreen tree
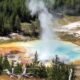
(35, 65)
(17, 27)
(1, 59)
(35, 60)
(1, 67)
(18, 69)
(6, 64)
(7, 26)
(59, 70)
(42, 71)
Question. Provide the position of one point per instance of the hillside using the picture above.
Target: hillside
(12, 13)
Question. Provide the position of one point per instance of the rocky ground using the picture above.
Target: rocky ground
(70, 32)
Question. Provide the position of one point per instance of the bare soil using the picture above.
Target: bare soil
(6, 77)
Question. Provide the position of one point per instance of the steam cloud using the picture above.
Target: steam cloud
(46, 22)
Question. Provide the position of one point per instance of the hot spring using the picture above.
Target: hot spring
(66, 51)
(49, 44)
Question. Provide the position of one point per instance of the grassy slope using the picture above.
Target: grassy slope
(69, 19)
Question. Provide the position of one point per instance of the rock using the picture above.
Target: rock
(17, 36)
(4, 38)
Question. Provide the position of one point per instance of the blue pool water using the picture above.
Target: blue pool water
(65, 50)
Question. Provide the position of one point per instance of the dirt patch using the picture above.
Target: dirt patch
(6, 77)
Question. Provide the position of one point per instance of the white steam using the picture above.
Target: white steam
(46, 22)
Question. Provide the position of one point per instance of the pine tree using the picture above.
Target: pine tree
(35, 65)
(18, 69)
(7, 26)
(6, 64)
(42, 71)
(17, 26)
(35, 60)
(1, 67)
(58, 71)
(1, 59)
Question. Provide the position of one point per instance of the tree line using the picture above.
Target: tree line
(13, 12)
(64, 4)
(57, 71)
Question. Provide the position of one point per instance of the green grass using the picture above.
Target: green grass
(72, 18)
(68, 19)
(26, 27)
(29, 28)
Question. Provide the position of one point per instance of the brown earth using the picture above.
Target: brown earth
(6, 77)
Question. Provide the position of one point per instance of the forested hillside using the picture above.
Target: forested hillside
(13, 12)
(67, 4)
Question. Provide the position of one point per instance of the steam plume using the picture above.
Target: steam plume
(46, 22)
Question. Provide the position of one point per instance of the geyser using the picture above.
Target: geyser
(47, 20)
